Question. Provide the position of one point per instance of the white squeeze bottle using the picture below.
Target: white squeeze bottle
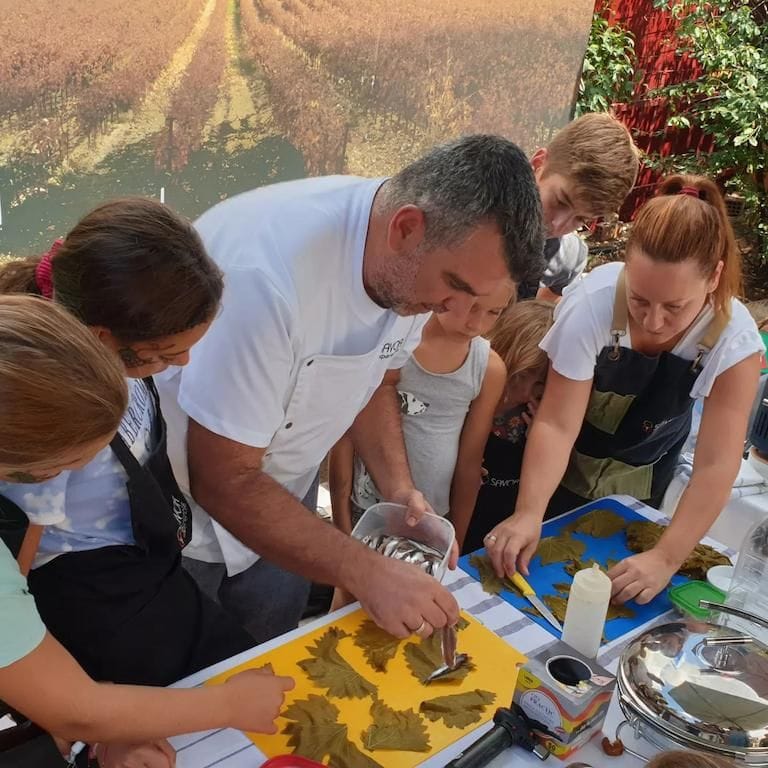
(586, 611)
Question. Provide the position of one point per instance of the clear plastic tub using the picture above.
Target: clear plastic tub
(390, 520)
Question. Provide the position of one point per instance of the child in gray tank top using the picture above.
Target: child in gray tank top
(448, 392)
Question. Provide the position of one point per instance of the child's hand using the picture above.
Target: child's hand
(255, 698)
(156, 754)
(528, 415)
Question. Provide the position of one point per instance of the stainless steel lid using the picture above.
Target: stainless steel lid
(702, 685)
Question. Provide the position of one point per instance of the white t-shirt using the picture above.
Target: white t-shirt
(89, 508)
(298, 348)
(583, 328)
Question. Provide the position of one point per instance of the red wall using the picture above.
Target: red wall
(657, 65)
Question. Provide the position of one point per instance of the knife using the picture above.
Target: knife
(533, 599)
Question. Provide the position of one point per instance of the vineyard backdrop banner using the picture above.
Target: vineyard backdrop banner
(196, 100)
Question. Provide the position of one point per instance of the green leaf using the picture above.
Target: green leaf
(559, 549)
(379, 647)
(459, 710)
(395, 730)
(599, 523)
(314, 732)
(425, 657)
(327, 669)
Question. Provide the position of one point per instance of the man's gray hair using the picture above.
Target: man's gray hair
(464, 183)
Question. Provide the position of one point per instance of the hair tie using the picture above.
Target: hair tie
(44, 271)
(692, 191)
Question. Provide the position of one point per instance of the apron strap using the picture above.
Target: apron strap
(709, 339)
(619, 325)
(118, 446)
(620, 317)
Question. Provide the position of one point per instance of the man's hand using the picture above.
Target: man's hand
(417, 506)
(403, 600)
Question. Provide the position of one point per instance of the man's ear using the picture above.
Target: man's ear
(406, 228)
(539, 159)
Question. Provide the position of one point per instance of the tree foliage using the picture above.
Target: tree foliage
(729, 99)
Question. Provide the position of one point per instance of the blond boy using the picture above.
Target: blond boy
(584, 174)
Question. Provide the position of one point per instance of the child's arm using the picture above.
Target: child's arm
(50, 688)
(340, 470)
(29, 547)
(477, 426)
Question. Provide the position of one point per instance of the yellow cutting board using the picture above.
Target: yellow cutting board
(496, 670)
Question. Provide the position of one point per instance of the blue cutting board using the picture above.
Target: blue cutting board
(543, 577)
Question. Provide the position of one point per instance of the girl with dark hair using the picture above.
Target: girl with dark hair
(107, 576)
(632, 346)
(43, 349)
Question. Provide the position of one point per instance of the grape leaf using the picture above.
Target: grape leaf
(559, 549)
(379, 647)
(458, 710)
(314, 732)
(563, 588)
(599, 523)
(395, 729)
(644, 535)
(619, 612)
(345, 754)
(489, 581)
(327, 669)
(425, 657)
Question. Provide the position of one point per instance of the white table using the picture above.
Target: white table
(232, 749)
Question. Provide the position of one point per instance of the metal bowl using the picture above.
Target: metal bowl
(699, 686)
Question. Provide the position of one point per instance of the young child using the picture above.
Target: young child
(515, 338)
(107, 578)
(448, 391)
(44, 350)
(584, 174)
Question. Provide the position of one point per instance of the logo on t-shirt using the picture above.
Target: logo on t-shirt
(390, 349)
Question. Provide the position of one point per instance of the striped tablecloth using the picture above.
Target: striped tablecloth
(228, 748)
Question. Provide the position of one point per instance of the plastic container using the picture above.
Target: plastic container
(587, 607)
(685, 597)
(291, 761)
(390, 519)
(719, 576)
(749, 585)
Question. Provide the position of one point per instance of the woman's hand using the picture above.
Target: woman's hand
(156, 754)
(641, 577)
(512, 543)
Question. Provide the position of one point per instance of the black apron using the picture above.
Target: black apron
(637, 420)
(130, 613)
(496, 499)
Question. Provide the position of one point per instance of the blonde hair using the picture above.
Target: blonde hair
(596, 154)
(60, 387)
(676, 226)
(689, 759)
(516, 335)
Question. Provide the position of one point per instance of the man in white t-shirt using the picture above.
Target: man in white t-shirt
(327, 286)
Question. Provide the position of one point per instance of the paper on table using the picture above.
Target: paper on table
(497, 666)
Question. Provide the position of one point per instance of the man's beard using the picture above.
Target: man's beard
(393, 286)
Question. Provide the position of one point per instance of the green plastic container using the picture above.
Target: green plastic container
(686, 598)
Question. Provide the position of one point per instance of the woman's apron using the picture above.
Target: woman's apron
(130, 613)
(637, 419)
